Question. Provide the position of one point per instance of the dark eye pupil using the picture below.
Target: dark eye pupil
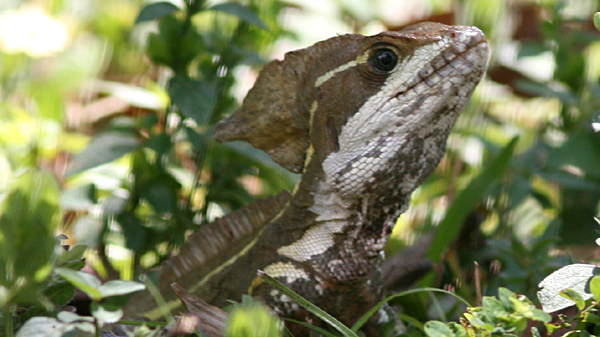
(383, 60)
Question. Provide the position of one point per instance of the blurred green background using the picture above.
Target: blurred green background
(108, 111)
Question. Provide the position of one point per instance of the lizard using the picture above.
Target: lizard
(365, 119)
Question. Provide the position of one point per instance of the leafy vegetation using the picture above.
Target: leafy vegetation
(105, 136)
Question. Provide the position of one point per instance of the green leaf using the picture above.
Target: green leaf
(504, 295)
(119, 288)
(155, 11)
(453, 222)
(597, 20)
(313, 309)
(87, 283)
(253, 319)
(438, 329)
(595, 287)
(575, 276)
(242, 12)
(195, 99)
(104, 148)
(50, 327)
(70, 317)
(573, 296)
(106, 314)
(591, 318)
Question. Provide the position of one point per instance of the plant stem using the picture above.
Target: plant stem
(8, 320)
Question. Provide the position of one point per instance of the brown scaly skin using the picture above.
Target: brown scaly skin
(365, 130)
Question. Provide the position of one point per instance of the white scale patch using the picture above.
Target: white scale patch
(287, 270)
(333, 215)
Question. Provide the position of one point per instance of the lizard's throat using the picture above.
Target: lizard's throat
(345, 242)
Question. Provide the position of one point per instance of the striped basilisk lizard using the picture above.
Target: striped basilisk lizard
(365, 120)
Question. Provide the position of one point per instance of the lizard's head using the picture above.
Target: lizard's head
(364, 107)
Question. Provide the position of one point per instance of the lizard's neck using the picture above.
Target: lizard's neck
(341, 235)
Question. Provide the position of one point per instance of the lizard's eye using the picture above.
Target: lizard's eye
(383, 60)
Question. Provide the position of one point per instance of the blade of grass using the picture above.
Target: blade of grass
(312, 327)
(378, 306)
(313, 309)
(453, 222)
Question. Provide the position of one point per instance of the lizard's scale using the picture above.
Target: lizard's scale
(365, 119)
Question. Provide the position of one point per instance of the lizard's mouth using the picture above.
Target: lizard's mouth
(456, 65)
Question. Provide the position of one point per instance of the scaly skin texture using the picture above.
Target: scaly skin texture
(365, 131)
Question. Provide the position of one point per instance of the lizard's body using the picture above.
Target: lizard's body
(365, 129)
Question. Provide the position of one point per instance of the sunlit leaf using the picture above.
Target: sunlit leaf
(50, 327)
(438, 329)
(105, 314)
(574, 296)
(575, 276)
(595, 287)
(119, 288)
(87, 283)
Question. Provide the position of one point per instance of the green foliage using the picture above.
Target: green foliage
(449, 228)
(28, 220)
(252, 318)
(176, 170)
(507, 315)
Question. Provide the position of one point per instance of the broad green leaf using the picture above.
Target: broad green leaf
(595, 287)
(69, 317)
(591, 318)
(597, 20)
(119, 288)
(87, 283)
(74, 254)
(104, 148)
(438, 329)
(242, 12)
(575, 276)
(50, 327)
(155, 11)
(493, 309)
(504, 295)
(540, 315)
(194, 98)
(453, 222)
(313, 309)
(573, 296)
(106, 314)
